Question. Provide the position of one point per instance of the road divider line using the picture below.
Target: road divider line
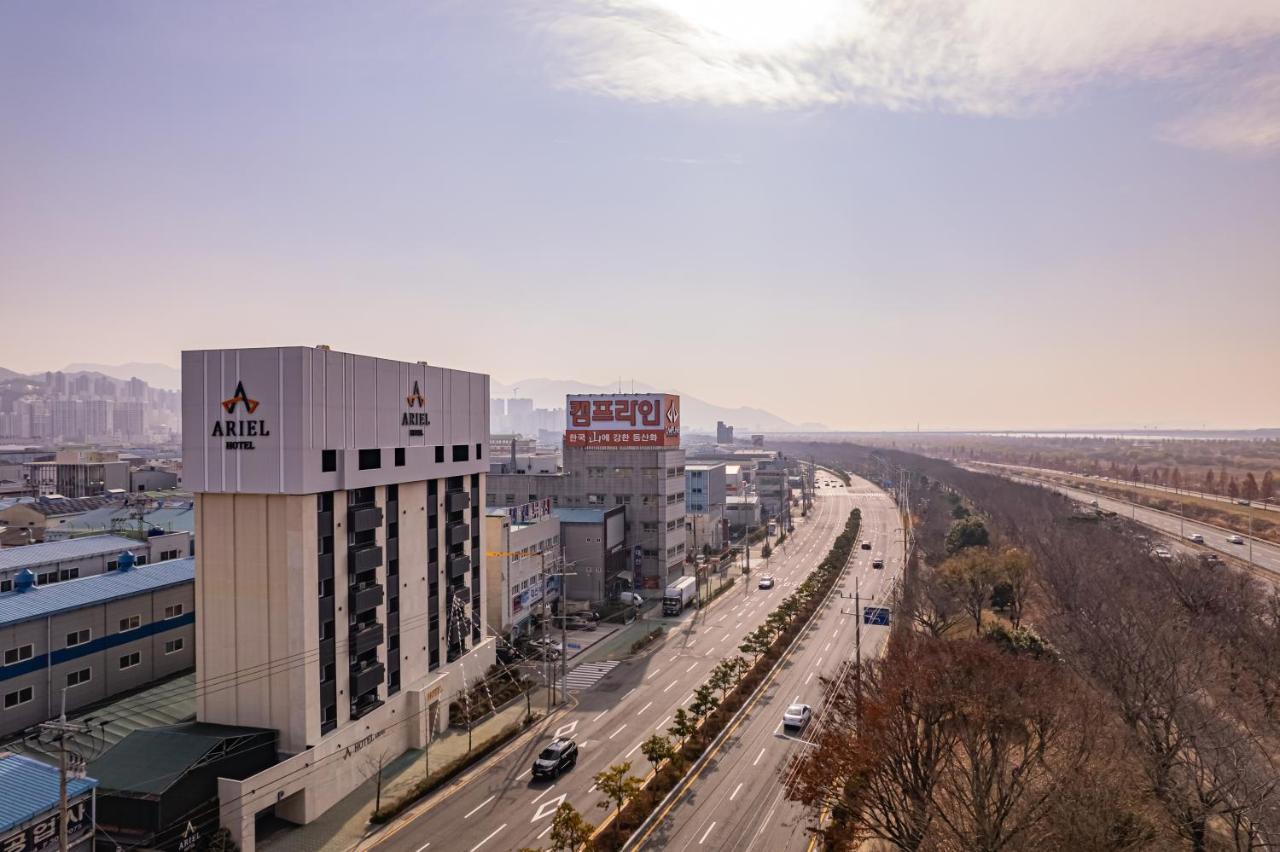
(633, 750)
(734, 794)
(472, 812)
(615, 733)
(706, 834)
(691, 668)
(600, 716)
(645, 707)
(490, 837)
(758, 756)
(670, 686)
(543, 793)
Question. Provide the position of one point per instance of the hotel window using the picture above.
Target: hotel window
(22, 696)
(328, 673)
(370, 459)
(128, 661)
(78, 677)
(133, 622)
(479, 452)
(595, 499)
(79, 637)
(399, 456)
(328, 461)
(174, 611)
(460, 452)
(173, 646)
(440, 455)
(22, 653)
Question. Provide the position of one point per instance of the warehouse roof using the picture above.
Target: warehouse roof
(579, 516)
(29, 788)
(50, 552)
(42, 601)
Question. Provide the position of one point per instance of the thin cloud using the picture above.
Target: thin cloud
(988, 57)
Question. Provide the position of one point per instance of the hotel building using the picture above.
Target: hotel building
(340, 586)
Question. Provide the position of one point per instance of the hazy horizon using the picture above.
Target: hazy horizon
(1009, 216)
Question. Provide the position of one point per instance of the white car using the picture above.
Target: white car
(1235, 539)
(1161, 553)
(550, 644)
(1196, 537)
(766, 582)
(797, 716)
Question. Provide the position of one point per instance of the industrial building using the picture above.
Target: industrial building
(95, 637)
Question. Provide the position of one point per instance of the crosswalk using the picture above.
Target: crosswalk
(586, 676)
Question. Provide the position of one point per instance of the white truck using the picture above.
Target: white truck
(678, 595)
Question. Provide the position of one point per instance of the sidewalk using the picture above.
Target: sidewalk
(344, 825)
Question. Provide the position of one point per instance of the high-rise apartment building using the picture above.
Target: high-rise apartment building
(340, 582)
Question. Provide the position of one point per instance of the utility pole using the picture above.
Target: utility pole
(60, 729)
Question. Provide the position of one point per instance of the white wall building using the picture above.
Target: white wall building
(339, 573)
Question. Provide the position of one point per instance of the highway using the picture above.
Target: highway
(1145, 486)
(497, 806)
(1263, 554)
(738, 802)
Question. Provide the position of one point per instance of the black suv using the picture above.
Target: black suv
(558, 757)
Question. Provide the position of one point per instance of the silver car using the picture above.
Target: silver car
(797, 716)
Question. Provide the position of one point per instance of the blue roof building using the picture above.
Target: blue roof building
(29, 799)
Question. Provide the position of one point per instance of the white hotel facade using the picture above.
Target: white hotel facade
(340, 589)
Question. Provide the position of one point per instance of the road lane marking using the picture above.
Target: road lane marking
(734, 794)
(653, 673)
(490, 837)
(645, 707)
(628, 695)
(543, 793)
(809, 678)
(424, 846)
(548, 807)
(708, 652)
(663, 723)
(670, 686)
(479, 806)
(600, 716)
(706, 834)
(615, 733)
(827, 647)
(691, 668)
(818, 665)
(546, 831)
(758, 756)
(633, 750)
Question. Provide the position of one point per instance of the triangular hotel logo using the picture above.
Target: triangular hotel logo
(250, 405)
(416, 398)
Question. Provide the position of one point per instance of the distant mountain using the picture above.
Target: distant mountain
(156, 375)
(5, 375)
(696, 414)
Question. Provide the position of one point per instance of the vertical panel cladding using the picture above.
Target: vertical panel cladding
(393, 390)
(459, 410)
(435, 431)
(336, 427)
(365, 411)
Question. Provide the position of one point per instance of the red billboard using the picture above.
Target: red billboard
(614, 421)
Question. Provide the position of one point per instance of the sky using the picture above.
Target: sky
(872, 214)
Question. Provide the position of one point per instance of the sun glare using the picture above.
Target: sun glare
(765, 26)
